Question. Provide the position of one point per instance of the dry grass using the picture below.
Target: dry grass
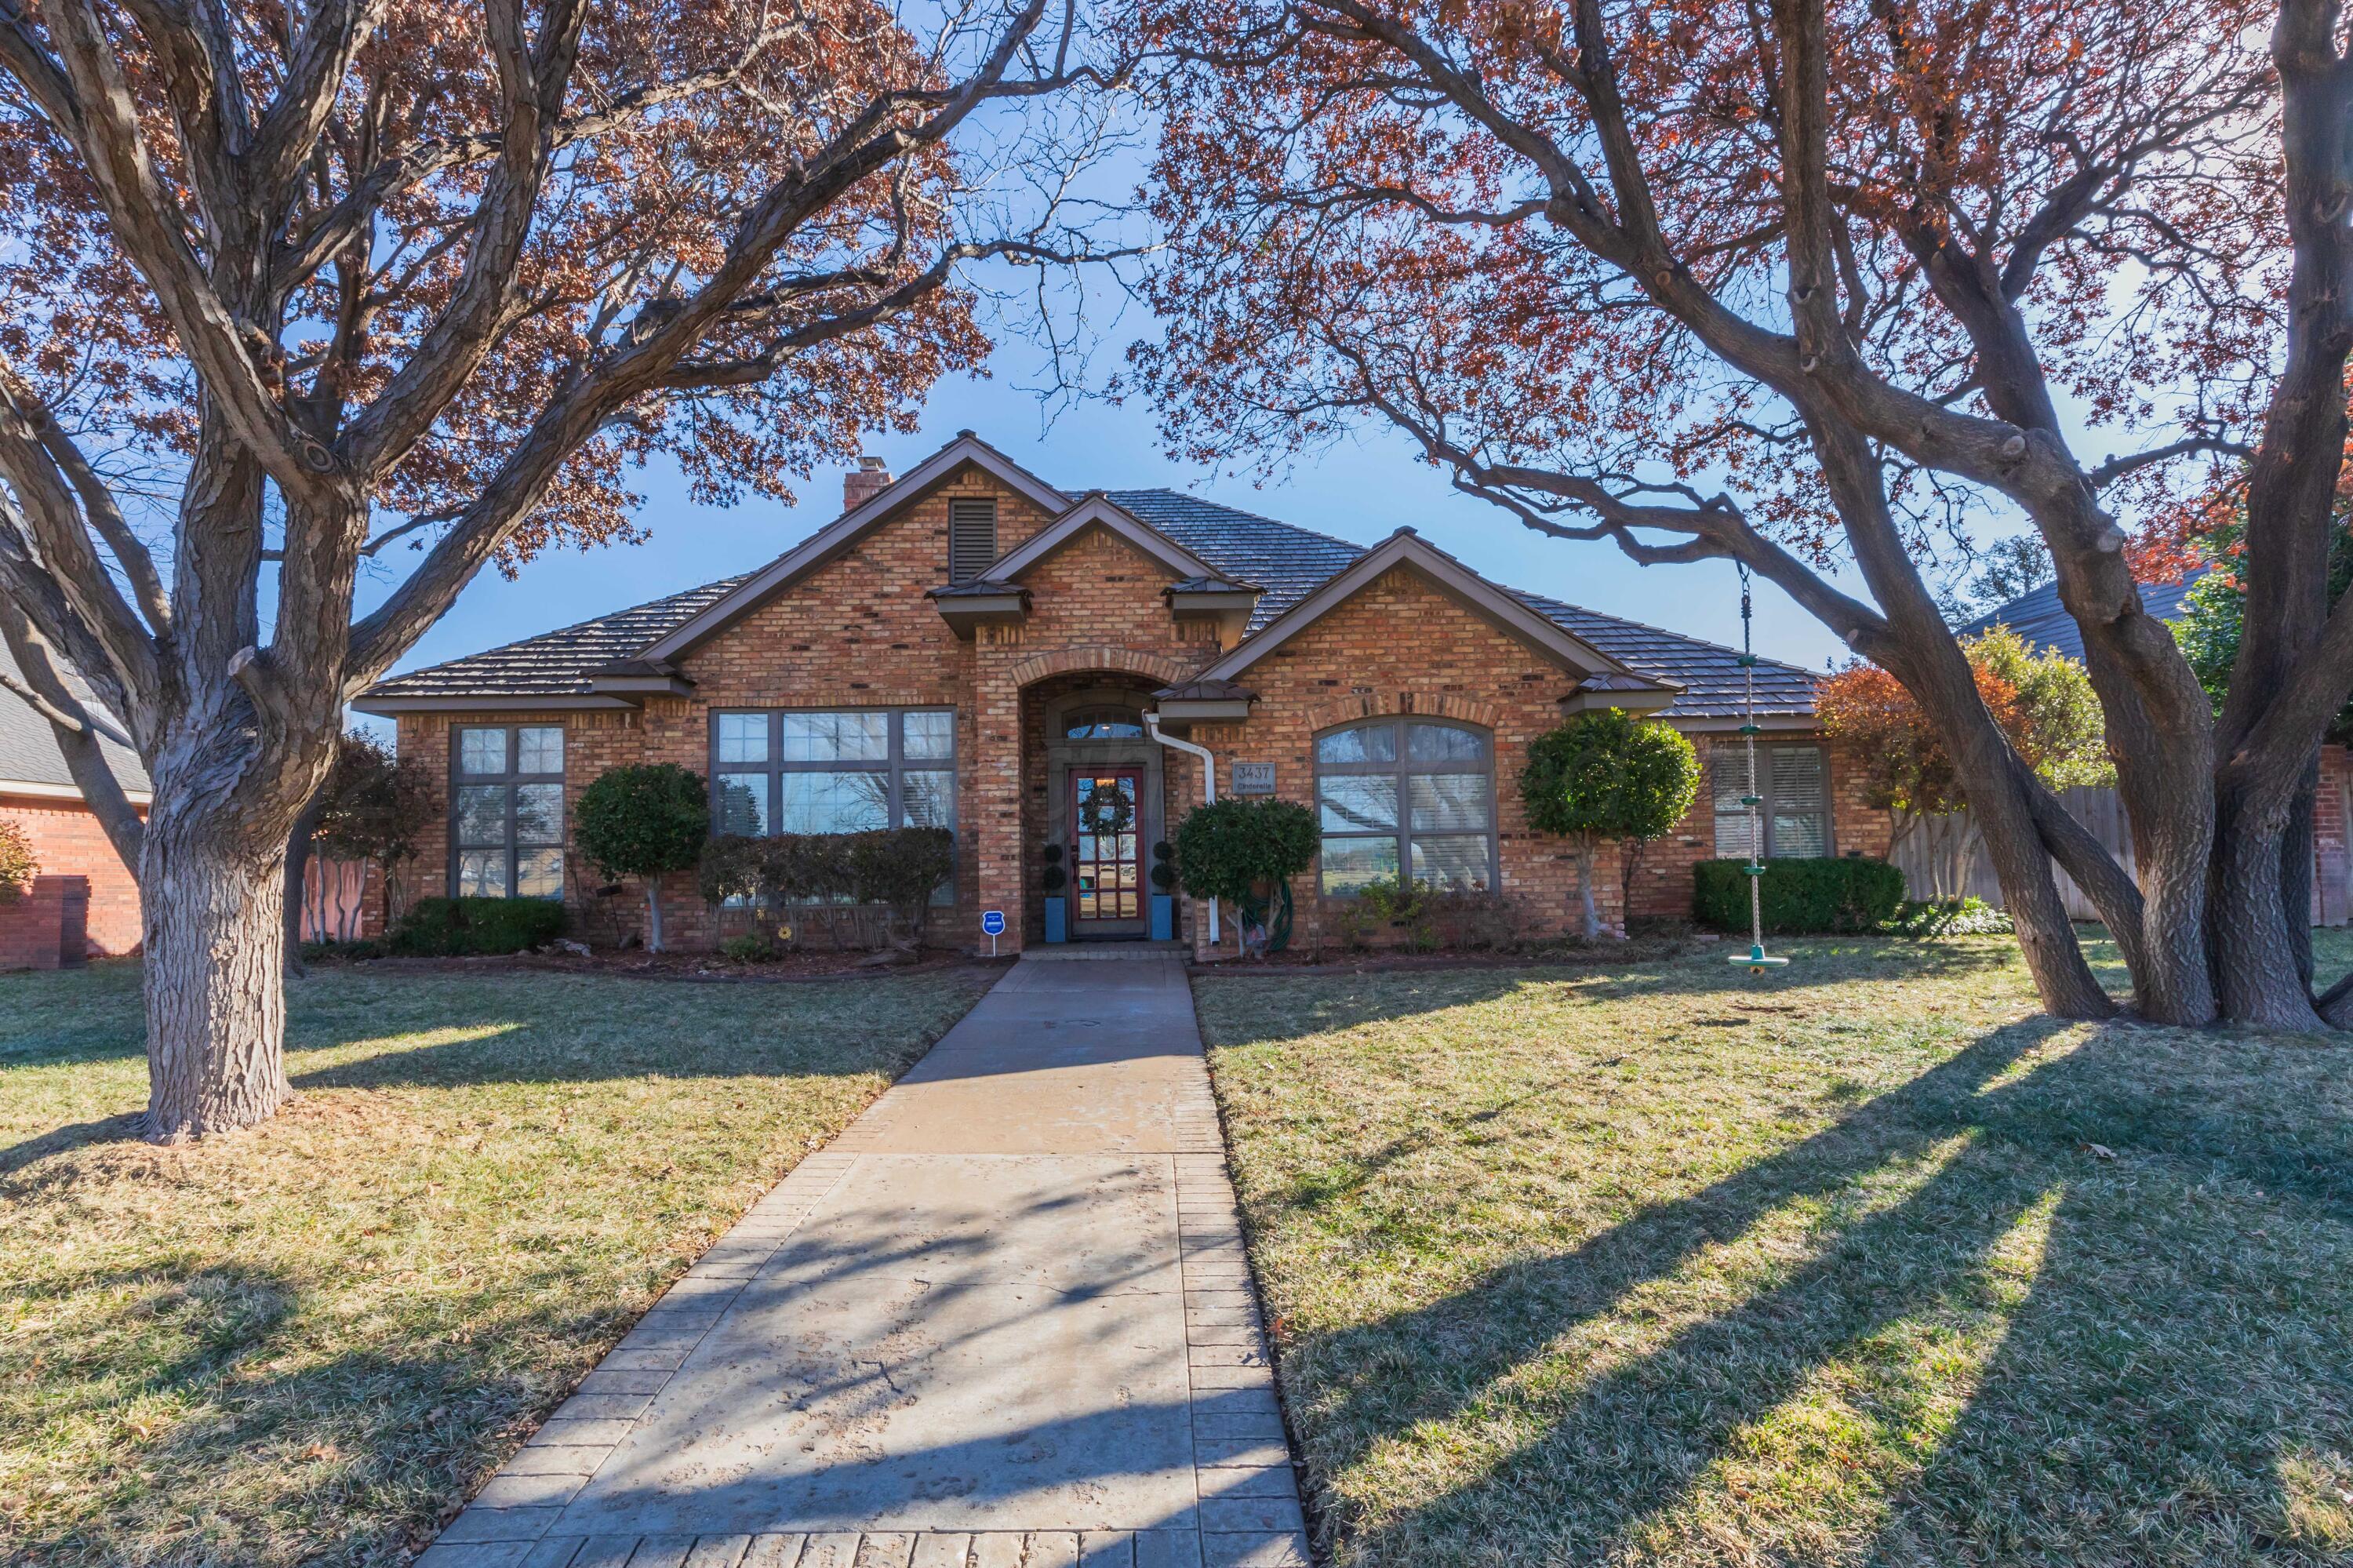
(309, 1342)
(1864, 1262)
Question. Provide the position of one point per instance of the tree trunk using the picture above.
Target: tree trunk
(1590, 911)
(2258, 974)
(213, 916)
(653, 915)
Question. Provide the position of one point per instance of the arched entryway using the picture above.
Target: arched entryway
(1094, 785)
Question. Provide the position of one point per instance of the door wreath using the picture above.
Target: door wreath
(1106, 813)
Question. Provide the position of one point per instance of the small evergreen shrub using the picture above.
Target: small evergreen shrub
(1054, 879)
(457, 927)
(1950, 917)
(643, 822)
(895, 867)
(1164, 870)
(1800, 896)
(1231, 849)
(750, 948)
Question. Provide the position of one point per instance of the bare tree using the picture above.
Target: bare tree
(431, 278)
(1784, 282)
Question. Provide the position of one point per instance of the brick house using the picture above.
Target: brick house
(81, 876)
(968, 646)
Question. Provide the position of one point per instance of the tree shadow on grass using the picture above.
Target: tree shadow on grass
(229, 1439)
(2139, 1405)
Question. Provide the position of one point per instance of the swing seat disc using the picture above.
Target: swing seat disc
(1753, 963)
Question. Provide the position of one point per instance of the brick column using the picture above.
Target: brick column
(995, 789)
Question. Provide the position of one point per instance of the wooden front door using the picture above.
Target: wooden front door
(1107, 861)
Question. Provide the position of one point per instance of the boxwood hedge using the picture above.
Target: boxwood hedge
(1800, 895)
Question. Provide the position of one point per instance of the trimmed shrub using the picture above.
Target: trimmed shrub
(895, 867)
(1800, 896)
(1607, 775)
(19, 865)
(458, 927)
(1231, 849)
(900, 867)
(643, 822)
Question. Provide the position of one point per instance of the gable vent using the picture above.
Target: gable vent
(972, 538)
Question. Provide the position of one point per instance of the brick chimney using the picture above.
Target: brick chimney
(863, 484)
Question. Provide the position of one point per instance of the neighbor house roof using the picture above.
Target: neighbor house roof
(1286, 563)
(2044, 623)
(30, 762)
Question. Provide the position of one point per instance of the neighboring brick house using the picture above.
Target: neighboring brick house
(37, 792)
(970, 647)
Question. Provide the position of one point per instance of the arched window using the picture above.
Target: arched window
(1408, 797)
(1103, 723)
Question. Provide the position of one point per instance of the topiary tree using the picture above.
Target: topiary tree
(1607, 775)
(19, 864)
(644, 821)
(1232, 847)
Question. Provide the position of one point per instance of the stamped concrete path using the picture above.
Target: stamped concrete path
(1004, 1321)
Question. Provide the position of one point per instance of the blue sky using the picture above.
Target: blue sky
(1360, 490)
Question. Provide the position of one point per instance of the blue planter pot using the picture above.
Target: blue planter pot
(1164, 917)
(1058, 926)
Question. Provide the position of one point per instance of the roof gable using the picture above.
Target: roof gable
(1095, 509)
(846, 530)
(1507, 612)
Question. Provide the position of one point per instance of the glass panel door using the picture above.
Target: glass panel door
(1106, 880)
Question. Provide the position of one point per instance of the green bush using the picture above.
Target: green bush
(900, 867)
(1800, 896)
(895, 867)
(1607, 775)
(452, 927)
(751, 948)
(1950, 917)
(643, 822)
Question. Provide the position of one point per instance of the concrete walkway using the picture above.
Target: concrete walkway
(1004, 1321)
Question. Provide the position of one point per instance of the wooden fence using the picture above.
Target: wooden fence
(2098, 809)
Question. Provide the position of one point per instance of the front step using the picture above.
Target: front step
(1063, 952)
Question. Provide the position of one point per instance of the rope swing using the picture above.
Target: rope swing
(1756, 960)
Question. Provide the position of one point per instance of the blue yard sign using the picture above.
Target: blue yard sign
(992, 922)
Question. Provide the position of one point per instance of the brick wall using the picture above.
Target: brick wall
(67, 841)
(1404, 646)
(47, 928)
(859, 632)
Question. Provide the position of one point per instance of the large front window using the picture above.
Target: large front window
(833, 773)
(1406, 799)
(506, 808)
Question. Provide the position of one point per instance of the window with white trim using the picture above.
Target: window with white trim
(1796, 814)
(506, 811)
(1409, 797)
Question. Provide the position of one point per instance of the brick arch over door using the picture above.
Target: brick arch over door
(1389, 704)
(1088, 657)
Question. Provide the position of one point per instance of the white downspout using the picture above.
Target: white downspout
(1208, 784)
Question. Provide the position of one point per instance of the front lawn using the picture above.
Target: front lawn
(1860, 1262)
(310, 1342)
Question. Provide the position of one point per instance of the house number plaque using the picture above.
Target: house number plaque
(1253, 777)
